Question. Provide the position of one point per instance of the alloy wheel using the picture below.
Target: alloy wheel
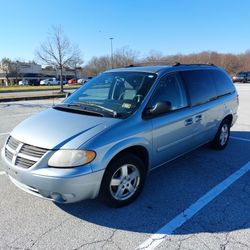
(224, 134)
(124, 182)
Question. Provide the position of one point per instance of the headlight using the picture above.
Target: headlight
(71, 158)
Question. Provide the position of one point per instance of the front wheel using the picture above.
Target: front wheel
(222, 136)
(123, 180)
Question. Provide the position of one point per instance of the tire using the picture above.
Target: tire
(123, 180)
(221, 138)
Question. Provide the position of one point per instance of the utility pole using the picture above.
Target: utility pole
(111, 51)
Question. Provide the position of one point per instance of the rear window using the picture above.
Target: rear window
(222, 82)
(199, 85)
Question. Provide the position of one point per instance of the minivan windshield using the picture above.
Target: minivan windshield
(116, 94)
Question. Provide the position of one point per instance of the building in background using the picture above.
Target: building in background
(13, 72)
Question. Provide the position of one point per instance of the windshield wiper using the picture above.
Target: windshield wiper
(76, 108)
(107, 110)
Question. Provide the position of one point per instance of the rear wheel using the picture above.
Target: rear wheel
(123, 181)
(222, 136)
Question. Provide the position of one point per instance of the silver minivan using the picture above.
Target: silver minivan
(104, 138)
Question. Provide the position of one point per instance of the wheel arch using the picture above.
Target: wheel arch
(137, 150)
(229, 117)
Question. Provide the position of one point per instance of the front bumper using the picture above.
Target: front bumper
(59, 185)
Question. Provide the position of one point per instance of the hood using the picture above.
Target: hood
(54, 129)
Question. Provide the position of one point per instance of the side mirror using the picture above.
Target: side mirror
(159, 108)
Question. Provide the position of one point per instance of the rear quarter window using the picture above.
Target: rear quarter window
(200, 86)
(222, 82)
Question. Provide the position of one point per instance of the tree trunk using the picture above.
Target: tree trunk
(75, 75)
(7, 80)
(61, 79)
(16, 79)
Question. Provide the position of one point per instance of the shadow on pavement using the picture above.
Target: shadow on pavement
(171, 189)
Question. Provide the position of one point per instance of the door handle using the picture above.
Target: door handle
(198, 118)
(189, 121)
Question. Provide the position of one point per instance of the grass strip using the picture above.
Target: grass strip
(35, 88)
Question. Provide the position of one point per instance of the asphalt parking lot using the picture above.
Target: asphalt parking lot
(199, 201)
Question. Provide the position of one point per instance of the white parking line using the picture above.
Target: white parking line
(1, 134)
(2, 172)
(183, 217)
(240, 138)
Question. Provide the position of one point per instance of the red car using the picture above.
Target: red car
(72, 81)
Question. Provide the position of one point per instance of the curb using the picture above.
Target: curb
(26, 98)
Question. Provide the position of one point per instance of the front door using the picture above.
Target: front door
(173, 132)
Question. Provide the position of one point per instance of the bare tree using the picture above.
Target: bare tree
(57, 51)
(16, 69)
(154, 57)
(76, 63)
(232, 63)
(5, 67)
(124, 57)
(97, 65)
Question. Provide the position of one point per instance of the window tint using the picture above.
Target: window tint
(170, 89)
(222, 82)
(200, 86)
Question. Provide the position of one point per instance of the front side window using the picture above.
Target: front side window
(117, 92)
(170, 89)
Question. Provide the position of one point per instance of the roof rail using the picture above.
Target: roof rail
(149, 63)
(193, 64)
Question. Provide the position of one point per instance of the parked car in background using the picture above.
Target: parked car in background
(64, 81)
(23, 82)
(34, 82)
(105, 137)
(81, 80)
(242, 77)
(248, 77)
(49, 81)
(72, 81)
(84, 80)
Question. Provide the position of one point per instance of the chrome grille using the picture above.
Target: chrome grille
(13, 143)
(25, 163)
(33, 151)
(21, 154)
(8, 154)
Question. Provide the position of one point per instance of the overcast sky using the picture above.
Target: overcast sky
(167, 26)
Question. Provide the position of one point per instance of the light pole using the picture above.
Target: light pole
(111, 51)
